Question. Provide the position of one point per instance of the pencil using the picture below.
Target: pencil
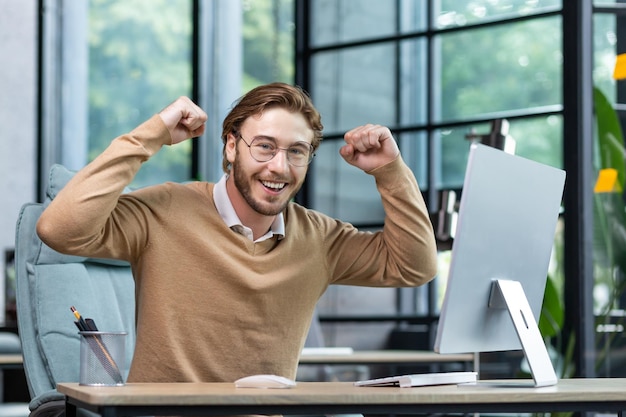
(81, 322)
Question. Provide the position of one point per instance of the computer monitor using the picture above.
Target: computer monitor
(500, 257)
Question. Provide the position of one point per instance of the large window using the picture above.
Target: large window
(433, 75)
(433, 71)
(436, 72)
(107, 66)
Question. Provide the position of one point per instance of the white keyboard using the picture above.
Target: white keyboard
(421, 380)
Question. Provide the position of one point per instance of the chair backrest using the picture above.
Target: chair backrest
(48, 284)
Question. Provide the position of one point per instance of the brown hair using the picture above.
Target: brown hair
(291, 98)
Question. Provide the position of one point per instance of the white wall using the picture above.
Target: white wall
(18, 121)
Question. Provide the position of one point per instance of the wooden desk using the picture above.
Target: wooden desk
(383, 357)
(606, 395)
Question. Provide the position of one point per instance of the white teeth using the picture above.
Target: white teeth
(274, 185)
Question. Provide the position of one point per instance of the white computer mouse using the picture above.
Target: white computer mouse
(264, 381)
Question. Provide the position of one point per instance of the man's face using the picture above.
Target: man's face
(267, 187)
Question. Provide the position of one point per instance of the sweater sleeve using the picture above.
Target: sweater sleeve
(87, 216)
(404, 253)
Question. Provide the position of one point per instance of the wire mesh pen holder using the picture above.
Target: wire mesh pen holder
(102, 357)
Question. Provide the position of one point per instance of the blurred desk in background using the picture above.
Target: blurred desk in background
(343, 356)
(366, 364)
(11, 361)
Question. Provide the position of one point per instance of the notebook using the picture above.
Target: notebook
(421, 380)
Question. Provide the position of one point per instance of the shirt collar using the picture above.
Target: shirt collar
(227, 213)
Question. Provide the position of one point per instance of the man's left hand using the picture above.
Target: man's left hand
(369, 147)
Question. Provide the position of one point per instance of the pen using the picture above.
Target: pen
(91, 324)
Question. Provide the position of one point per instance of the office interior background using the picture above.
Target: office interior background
(76, 74)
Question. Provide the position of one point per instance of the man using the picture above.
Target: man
(227, 275)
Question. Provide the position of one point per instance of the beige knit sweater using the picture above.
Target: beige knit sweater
(212, 305)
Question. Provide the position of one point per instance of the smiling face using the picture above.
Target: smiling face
(265, 188)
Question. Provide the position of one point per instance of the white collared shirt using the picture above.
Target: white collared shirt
(227, 212)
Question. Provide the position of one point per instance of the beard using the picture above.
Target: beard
(270, 207)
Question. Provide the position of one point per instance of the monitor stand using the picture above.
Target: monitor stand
(510, 295)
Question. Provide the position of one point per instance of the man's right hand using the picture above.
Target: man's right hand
(184, 119)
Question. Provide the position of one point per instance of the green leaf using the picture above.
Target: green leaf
(610, 136)
(552, 311)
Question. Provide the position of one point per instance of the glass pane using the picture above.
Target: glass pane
(268, 42)
(341, 190)
(129, 81)
(414, 148)
(461, 12)
(334, 21)
(355, 86)
(500, 68)
(413, 82)
(604, 54)
(342, 300)
(413, 15)
(452, 149)
(539, 139)
(338, 21)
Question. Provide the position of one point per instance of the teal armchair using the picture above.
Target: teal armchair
(48, 284)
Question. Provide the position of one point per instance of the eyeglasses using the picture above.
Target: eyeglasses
(262, 149)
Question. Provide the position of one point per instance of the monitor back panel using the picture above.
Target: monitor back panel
(507, 220)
